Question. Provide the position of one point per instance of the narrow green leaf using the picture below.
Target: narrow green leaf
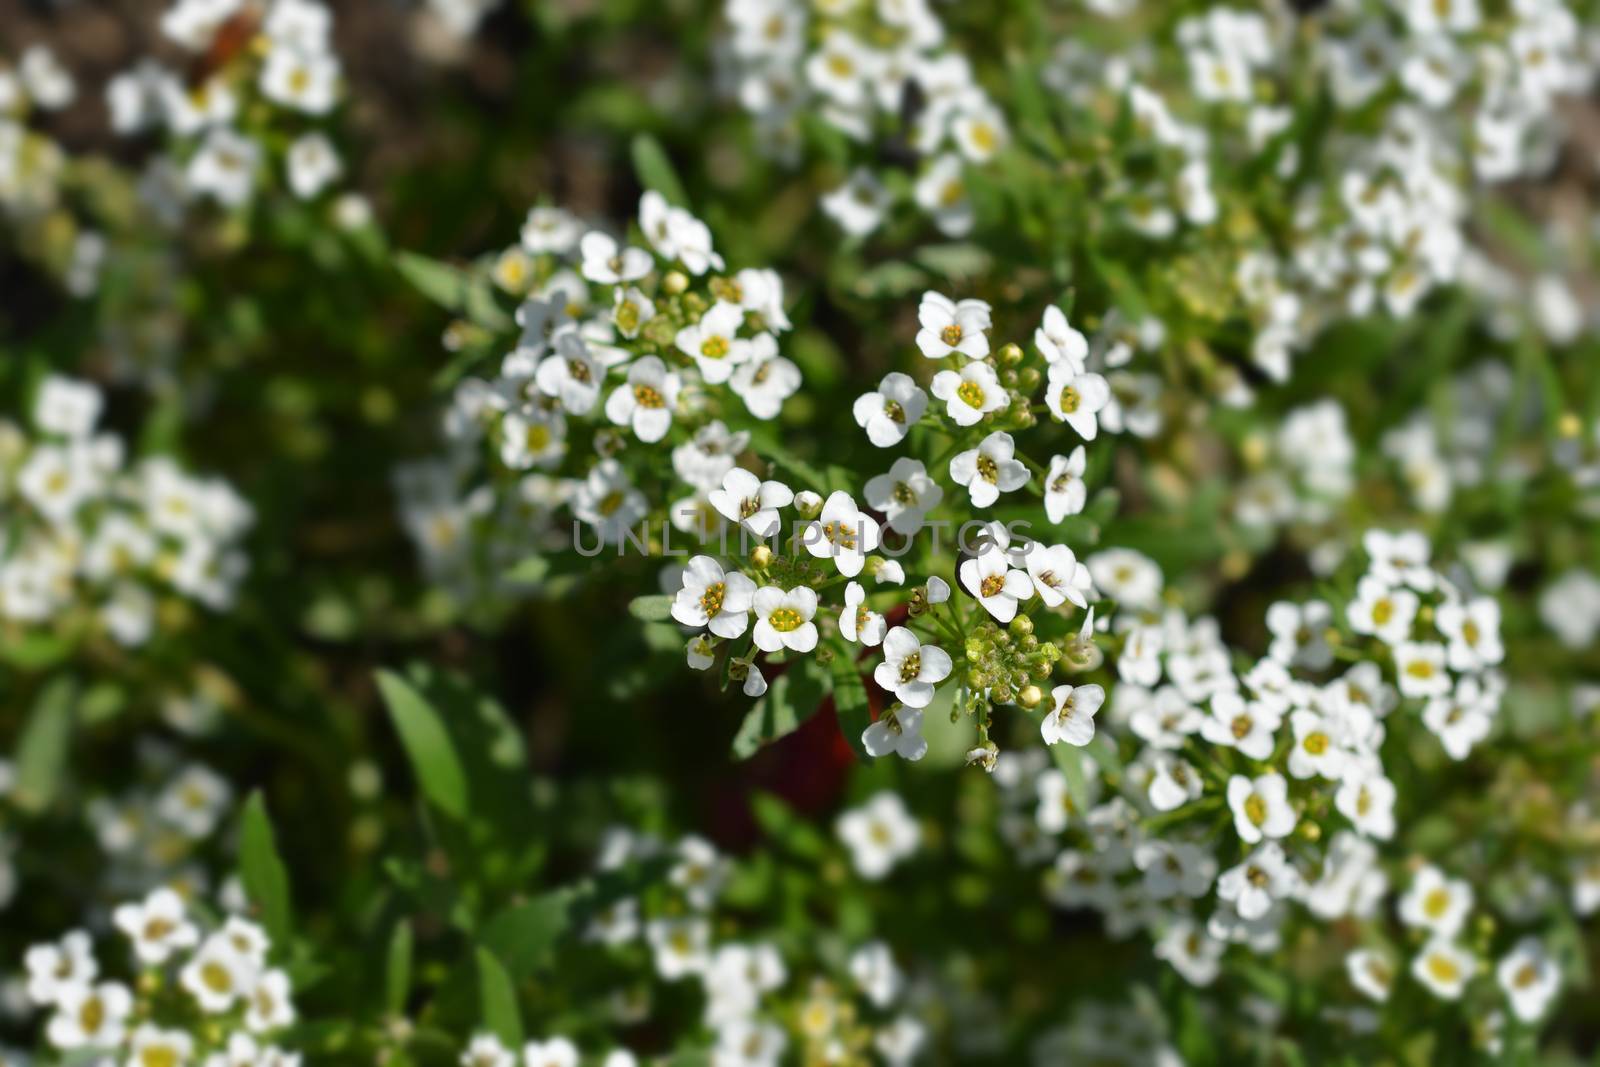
(498, 1000)
(655, 171)
(850, 699)
(440, 282)
(656, 608)
(524, 934)
(397, 975)
(789, 701)
(265, 878)
(41, 755)
(427, 743)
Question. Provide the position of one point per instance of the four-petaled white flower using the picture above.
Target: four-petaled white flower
(1058, 342)
(747, 499)
(843, 533)
(1057, 575)
(158, 926)
(910, 669)
(1263, 877)
(997, 585)
(1530, 979)
(1064, 489)
(949, 327)
(645, 403)
(896, 733)
(889, 413)
(1260, 807)
(783, 619)
(1076, 398)
(990, 469)
(607, 263)
(905, 495)
(970, 393)
(1071, 714)
(713, 342)
(716, 599)
(857, 622)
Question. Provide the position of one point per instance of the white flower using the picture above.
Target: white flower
(1367, 800)
(1382, 610)
(1371, 973)
(842, 532)
(1262, 878)
(873, 969)
(1473, 629)
(1071, 714)
(990, 469)
(1260, 807)
(1530, 979)
(1400, 558)
(532, 438)
(1127, 576)
(157, 927)
(997, 585)
(766, 379)
(898, 732)
(607, 263)
(572, 373)
(1173, 782)
(646, 402)
(971, 393)
(938, 590)
(890, 573)
(217, 975)
(1057, 575)
(90, 1016)
(301, 80)
(1445, 968)
(755, 683)
(942, 193)
(1315, 751)
(1298, 634)
(905, 495)
(747, 499)
(857, 622)
(1076, 398)
(1463, 718)
(910, 669)
(54, 968)
(859, 205)
(677, 234)
(1435, 903)
(713, 342)
(979, 131)
(608, 501)
(949, 327)
(550, 230)
(224, 167)
(879, 834)
(1058, 342)
(555, 1052)
(783, 619)
(1193, 953)
(485, 1050)
(681, 948)
(1248, 726)
(270, 1006)
(709, 456)
(313, 164)
(152, 1045)
(1419, 669)
(1064, 489)
(714, 599)
(889, 413)
(67, 406)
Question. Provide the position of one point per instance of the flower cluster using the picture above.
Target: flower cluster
(621, 347)
(206, 995)
(264, 79)
(877, 72)
(100, 538)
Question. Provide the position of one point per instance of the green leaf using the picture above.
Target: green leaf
(655, 608)
(1070, 759)
(850, 699)
(442, 283)
(790, 700)
(524, 934)
(41, 756)
(427, 743)
(397, 975)
(265, 878)
(655, 171)
(498, 999)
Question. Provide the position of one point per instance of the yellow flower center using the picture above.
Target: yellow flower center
(715, 347)
(951, 334)
(785, 620)
(971, 394)
(711, 599)
(1069, 400)
(1255, 809)
(988, 469)
(648, 397)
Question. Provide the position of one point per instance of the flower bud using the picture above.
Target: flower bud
(761, 557)
(1010, 354)
(1030, 697)
(674, 283)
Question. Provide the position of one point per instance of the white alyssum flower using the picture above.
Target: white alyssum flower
(1444, 967)
(150, 1044)
(1436, 903)
(217, 975)
(716, 599)
(158, 926)
(905, 495)
(860, 204)
(857, 622)
(1064, 490)
(646, 402)
(950, 327)
(990, 469)
(970, 393)
(843, 533)
(713, 342)
(53, 968)
(1071, 715)
(1249, 726)
(896, 733)
(1075, 398)
(910, 669)
(998, 585)
(551, 1052)
(889, 412)
(879, 834)
(93, 1016)
(485, 1050)
(608, 501)
(1473, 629)
(1057, 575)
(1058, 342)
(1382, 610)
(681, 947)
(1371, 972)
(783, 619)
(607, 263)
(1530, 979)
(745, 498)
(1419, 668)
(1260, 807)
(1263, 877)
